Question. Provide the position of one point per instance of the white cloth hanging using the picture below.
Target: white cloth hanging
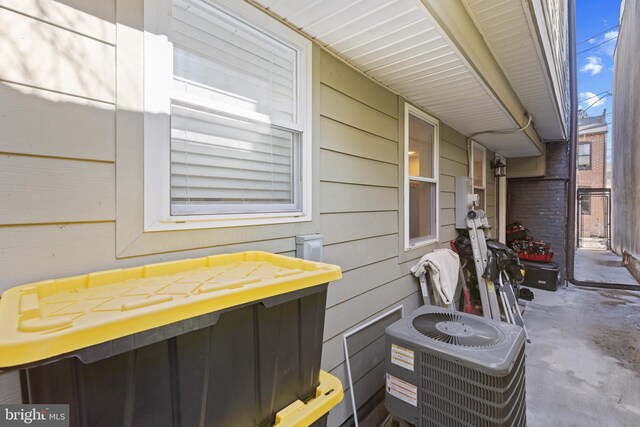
(443, 265)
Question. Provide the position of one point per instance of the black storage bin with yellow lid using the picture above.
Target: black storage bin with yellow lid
(229, 340)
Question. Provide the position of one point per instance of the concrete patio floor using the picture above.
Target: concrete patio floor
(601, 266)
(583, 365)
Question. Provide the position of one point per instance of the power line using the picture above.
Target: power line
(596, 101)
(596, 35)
(597, 94)
(599, 44)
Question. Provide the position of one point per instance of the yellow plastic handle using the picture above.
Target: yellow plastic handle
(299, 414)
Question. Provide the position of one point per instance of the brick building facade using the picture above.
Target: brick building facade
(540, 203)
(592, 158)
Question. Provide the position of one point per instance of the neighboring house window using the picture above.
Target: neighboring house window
(232, 138)
(421, 178)
(584, 155)
(479, 166)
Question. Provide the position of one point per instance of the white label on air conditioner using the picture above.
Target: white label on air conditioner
(403, 390)
(402, 356)
(542, 282)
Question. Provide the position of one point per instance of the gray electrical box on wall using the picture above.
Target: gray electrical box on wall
(465, 200)
(309, 246)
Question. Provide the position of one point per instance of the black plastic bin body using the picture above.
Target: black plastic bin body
(237, 367)
(540, 275)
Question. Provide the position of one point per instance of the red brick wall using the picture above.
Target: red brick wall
(594, 177)
(594, 223)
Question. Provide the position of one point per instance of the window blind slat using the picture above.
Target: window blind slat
(211, 20)
(224, 195)
(240, 43)
(228, 161)
(194, 58)
(190, 142)
(229, 184)
(225, 126)
(267, 98)
(225, 60)
(206, 171)
(234, 131)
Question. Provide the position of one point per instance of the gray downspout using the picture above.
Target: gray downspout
(573, 143)
(573, 138)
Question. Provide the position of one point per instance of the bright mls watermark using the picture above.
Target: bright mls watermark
(34, 415)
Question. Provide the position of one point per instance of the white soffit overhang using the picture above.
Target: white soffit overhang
(398, 44)
(508, 30)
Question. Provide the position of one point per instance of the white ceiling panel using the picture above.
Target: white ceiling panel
(506, 27)
(399, 44)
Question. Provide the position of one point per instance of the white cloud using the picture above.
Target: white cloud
(592, 40)
(593, 65)
(590, 99)
(609, 47)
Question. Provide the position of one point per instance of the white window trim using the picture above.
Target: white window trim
(409, 109)
(158, 56)
(484, 167)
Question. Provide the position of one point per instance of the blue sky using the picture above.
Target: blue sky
(595, 20)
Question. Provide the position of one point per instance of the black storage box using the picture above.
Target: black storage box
(237, 365)
(540, 275)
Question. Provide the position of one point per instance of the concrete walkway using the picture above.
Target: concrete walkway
(601, 267)
(583, 365)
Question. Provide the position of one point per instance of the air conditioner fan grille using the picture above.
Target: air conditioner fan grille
(452, 328)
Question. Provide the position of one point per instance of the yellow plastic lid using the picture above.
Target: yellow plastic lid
(49, 318)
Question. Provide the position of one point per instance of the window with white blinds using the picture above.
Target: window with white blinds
(421, 177)
(236, 115)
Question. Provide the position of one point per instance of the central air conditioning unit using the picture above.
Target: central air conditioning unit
(449, 368)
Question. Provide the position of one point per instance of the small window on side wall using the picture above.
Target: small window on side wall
(421, 178)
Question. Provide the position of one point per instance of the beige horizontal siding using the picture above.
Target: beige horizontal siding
(95, 19)
(344, 168)
(354, 254)
(341, 138)
(337, 197)
(360, 203)
(45, 190)
(41, 252)
(366, 304)
(344, 227)
(45, 123)
(363, 279)
(49, 57)
(347, 110)
(337, 75)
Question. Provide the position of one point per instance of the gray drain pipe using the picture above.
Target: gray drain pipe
(573, 139)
